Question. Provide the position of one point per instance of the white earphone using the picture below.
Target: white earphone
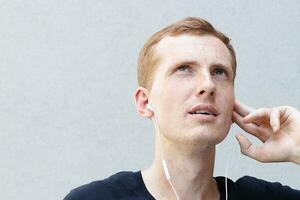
(149, 107)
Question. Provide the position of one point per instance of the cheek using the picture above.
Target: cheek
(173, 98)
(176, 91)
(227, 94)
(229, 103)
(226, 102)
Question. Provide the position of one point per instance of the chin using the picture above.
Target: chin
(206, 135)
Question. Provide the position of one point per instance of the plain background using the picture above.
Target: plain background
(68, 74)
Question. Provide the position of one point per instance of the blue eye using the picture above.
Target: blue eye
(183, 68)
(220, 71)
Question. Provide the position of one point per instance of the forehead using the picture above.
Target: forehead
(204, 48)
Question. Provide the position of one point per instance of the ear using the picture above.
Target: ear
(141, 97)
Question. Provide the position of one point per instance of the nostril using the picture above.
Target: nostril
(203, 91)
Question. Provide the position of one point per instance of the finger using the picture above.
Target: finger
(242, 109)
(249, 127)
(248, 149)
(275, 119)
(258, 116)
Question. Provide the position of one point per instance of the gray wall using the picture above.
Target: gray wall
(68, 73)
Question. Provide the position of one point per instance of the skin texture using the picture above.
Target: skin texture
(192, 70)
(179, 82)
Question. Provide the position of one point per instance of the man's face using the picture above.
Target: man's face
(194, 74)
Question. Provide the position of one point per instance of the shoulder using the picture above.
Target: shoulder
(113, 187)
(248, 186)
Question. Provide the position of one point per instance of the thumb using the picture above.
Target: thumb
(247, 148)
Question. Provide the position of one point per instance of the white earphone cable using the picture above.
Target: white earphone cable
(226, 175)
(164, 163)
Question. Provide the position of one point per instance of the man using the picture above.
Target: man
(186, 86)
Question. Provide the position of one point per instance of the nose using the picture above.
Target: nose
(205, 86)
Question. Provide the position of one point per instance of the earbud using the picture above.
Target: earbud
(149, 107)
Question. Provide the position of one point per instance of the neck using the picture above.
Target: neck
(191, 170)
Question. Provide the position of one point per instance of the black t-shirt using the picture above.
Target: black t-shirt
(130, 186)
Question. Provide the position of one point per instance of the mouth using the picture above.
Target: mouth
(203, 112)
(203, 109)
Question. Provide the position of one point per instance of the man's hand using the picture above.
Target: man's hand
(278, 128)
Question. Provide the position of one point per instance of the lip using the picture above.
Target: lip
(202, 117)
(205, 107)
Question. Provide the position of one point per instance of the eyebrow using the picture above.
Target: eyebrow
(223, 65)
(191, 62)
(187, 62)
